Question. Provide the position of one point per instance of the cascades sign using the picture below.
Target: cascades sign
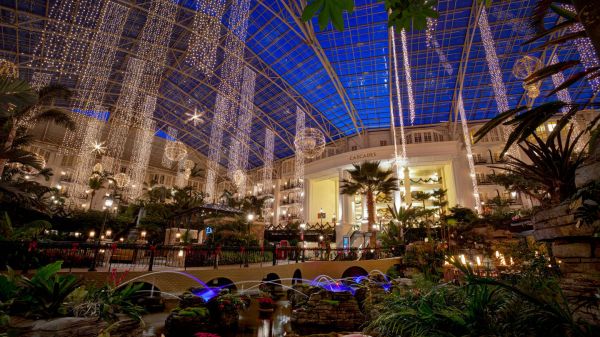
(362, 156)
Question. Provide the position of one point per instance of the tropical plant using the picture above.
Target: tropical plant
(109, 301)
(421, 196)
(518, 183)
(20, 103)
(95, 183)
(44, 293)
(526, 120)
(586, 203)
(403, 218)
(371, 180)
(553, 164)
(404, 14)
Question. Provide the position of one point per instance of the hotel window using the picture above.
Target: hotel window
(417, 137)
(494, 135)
(354, 148)
(438, 137)
(409, 139)
(427, 137)
(383, 143)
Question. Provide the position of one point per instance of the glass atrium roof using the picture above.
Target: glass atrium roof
(341, 79)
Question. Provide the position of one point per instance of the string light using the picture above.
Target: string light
(299, 160)
(432, 43)
(409, 86)
(231, 72)
(204, 39)
(91, 87)
(38, 81)
(120, 121)
(238, 152)
(268, 159)
(67, 36)
(142, 147)
(183, 174)
(399, 160)
(461, 110)
(495, 72)
(586, 50)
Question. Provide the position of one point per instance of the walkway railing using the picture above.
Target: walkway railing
(23, 255)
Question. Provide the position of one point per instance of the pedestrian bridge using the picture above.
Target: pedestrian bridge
(178, 280)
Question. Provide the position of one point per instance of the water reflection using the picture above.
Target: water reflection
(254, 323)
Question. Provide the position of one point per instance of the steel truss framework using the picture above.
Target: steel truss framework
(341, 79)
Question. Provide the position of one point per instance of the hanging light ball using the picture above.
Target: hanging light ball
(98, 168)
(309, 143)
(121, 179)
(175, 151)
(8, 69)
(526, 66)
(239, 177)
(188, 165)
(533, 90)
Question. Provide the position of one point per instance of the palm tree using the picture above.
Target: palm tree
(20, 102)
(402, 218)
(421, 196)
(96, 182)
(369, 179)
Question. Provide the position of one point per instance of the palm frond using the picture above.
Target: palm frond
(550, 70)
(546, 32)
(495, 122)
(16, 93)
(59, 116)
(574, 78)
(48, 93)
(562, 39)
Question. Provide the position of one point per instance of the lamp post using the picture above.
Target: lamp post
(250, 218)
(107, 205)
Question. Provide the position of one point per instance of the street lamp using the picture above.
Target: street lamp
(107, 204)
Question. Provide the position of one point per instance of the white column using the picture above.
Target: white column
(407, 193)
(276, 201)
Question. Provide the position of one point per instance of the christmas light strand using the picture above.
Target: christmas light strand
(268, 161)
(432, 43)
(141, 149)
(586, 50)
(216, 140)
(470, 160)
(409, 86)
(299, 162)
(495, 73)
(121, 118)
(38, 81)
(239, 149)
(461, 109)
(204, 39)
(67, 35)
(93, 80)
(400, 160)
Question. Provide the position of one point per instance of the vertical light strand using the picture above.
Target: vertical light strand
(470, 160)
(141, 149)
(204, 38)
(93, 80)
(239, 147)
(409, 86)
(299, 162)
(38, 81)
(585, 49)
(181, 178)
(399, 160)
(495, 72)
(67, 35)
(91, 89)
(228, 89)
(432, 43)
(171, 137)
(267, 178)
(564, 96)
(120, 121)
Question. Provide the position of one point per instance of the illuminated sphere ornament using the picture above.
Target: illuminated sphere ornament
(526, 66)
(121, 179)
(175, 151)
(309, 143)
(98, 168)
(239, 177)
(8, 69)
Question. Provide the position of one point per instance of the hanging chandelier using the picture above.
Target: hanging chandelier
(309, 143)
(121, 180)
(175, 151)
(525, 67)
